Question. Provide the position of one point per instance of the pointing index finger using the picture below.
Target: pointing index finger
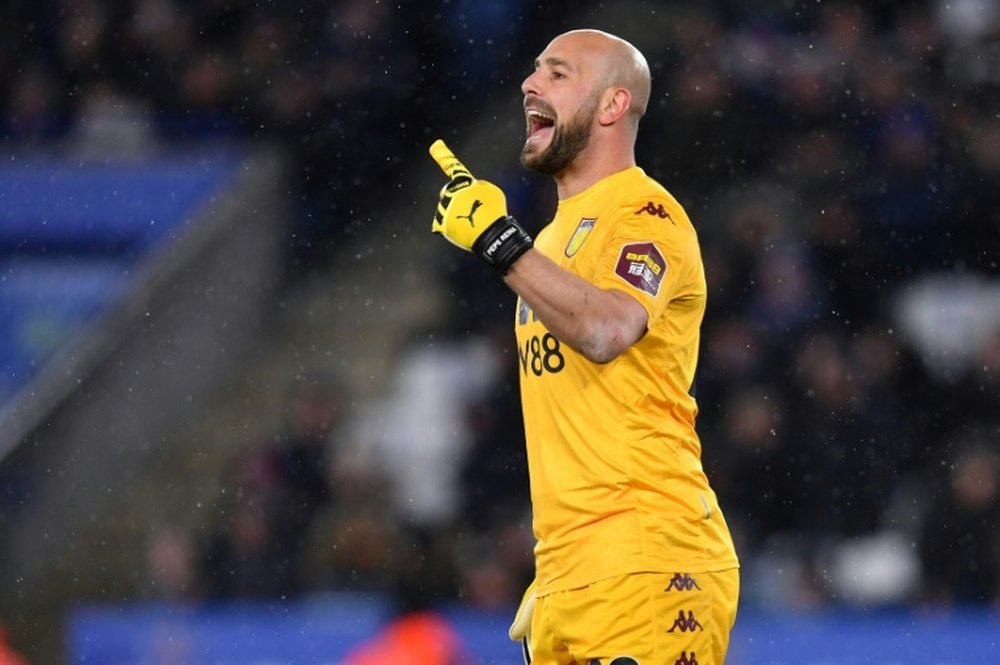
(447, 160)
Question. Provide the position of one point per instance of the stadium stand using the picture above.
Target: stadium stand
(839, 160)
(162, 318)
(74, 234)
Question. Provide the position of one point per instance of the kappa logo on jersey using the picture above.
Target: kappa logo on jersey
(685, 659)
(582, 232)
(655, 209)
(642, 265)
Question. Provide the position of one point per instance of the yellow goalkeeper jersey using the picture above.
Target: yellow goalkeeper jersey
(617, 484)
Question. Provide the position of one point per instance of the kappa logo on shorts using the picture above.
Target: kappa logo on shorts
(642, 265)
(682, 582)
(686, 623)
(687, 660)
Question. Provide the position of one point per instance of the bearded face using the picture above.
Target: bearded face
(566, 141)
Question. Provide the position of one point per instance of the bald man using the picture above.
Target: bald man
(634, 561)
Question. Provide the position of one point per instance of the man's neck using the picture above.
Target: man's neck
(591, 166)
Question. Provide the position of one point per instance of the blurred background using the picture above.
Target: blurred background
(248, 405)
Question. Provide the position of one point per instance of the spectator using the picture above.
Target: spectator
(171, 560)
(758, 462)
(244, 557)
(419, 435)
(280, 489)
(418, 634)
(302, 456)
(110, 126)
(357, 542)
(959, 546)
(493, 472)
(419, 638)
(838, 454)
(7, 654)
(496, 565)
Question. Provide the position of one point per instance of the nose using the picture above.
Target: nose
(528, 86)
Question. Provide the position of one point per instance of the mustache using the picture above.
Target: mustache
(533, 102)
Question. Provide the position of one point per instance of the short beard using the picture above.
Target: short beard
(567, 142)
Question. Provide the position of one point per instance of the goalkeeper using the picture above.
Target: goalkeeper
(634, 562)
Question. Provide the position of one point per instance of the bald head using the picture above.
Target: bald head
(617, 63)
(582, 105)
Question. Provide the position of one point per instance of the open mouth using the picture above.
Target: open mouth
(539, 124)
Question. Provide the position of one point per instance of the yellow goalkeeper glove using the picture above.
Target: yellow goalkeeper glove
(520, 629)
(472, 214)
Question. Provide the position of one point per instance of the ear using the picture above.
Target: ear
(614, 105)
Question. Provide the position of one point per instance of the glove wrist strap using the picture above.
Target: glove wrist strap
(503, 243)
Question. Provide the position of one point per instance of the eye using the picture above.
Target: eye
(558, 75)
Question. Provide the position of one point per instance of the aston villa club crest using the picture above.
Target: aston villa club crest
(583, 230)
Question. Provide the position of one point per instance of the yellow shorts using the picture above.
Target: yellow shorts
(640, 619)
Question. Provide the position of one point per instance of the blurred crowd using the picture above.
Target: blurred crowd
(842, 175)
(117, 79)
(840, 161)
(841, 165)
